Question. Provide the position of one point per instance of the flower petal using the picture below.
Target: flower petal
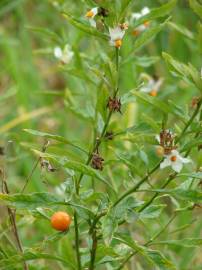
(57, 52)
(145, 11)
(165, 163)
(92, 22)
(177, 166)
(186, 160)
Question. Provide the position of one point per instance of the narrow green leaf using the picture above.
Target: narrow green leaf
(191, 144)
(74, 165)
(83, 27)
(153, 256)
(153, 211)
(53, 137)
(197, 8)
(188, 242)
(183, 71)
(29, 256)
(182, 29)
(147, 36)
(156, 102)
(32, 200)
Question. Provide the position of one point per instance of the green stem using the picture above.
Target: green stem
(96, 145)
(134, 189)
(190, 121)
(77, 241)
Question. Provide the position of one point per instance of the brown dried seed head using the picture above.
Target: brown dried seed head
(97, 162)
(114, 104)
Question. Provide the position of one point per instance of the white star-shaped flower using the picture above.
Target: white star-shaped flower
(91, 14)
(64, 55)
(136, 16)
(175, 161)
(116, 36)
(152, 87)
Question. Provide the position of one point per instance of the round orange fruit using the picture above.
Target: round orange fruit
(60, 221)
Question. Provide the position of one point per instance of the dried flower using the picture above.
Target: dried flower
(174, 160)
(91, 14)
(46, 164)
(64, 55)
(166, 141)
(97, 162)
(116, 36)
(114, 104)
(109, 135)
(103, 12)
(195, 101)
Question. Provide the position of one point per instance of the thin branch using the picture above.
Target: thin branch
(12, 218)
(34, 167)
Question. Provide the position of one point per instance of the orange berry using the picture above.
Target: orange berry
(60, 221)
(118, 43)
(153, 93)
(173, 158)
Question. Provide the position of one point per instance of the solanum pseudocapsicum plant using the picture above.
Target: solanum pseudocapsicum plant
(128, 186)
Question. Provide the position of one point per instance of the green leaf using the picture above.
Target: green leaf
(9, 93)
(183, 194)
(157, 12)
(10, 5)
(147, 36)
(182, 29)
(153, 256)
(32, 200)
(47, 33)
(43, 199)
(83, 27)
(53, 137)
(188, 242)
(109, 227)
(29, 256)
(124, 7)
(156, 102)
(74, 165)
(197, 175)
(183, 71)
(191, 195)
(191, 144)
(152, 211)
(197, 8)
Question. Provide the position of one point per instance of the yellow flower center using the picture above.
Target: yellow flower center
(118, 43)
(135, 32)
(89, 14)
(146, 24)
(173, 158)
(153, 93)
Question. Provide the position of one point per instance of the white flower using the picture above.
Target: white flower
(64, 55)
(116, 36)
(136, 16)
(152, 86)
(142, 13)
(91, 14)
(174, 160)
